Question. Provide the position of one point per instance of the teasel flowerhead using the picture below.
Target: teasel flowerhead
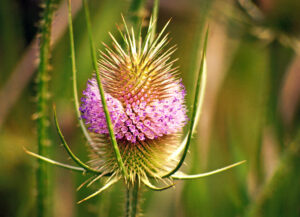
(145, 99)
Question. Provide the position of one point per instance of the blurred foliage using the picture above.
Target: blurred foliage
(249, 61)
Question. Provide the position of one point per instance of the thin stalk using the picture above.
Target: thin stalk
(74, 76)
(132, 200)
(127, 211)
(105, 108)
(43, 109)
(154, 16)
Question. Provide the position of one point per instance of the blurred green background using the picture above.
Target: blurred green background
(251, 108)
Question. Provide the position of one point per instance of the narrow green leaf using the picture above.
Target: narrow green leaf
(74, 76)
(107, 185)
(73, 156)
(197, 107)
(105, 108)
(201, 175)
(56, 163)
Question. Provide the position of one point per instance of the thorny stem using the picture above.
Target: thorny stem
(105, 108)
(42, 109)
(132, 199)
(127, 202)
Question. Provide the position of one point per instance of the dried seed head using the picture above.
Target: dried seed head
(146, 104)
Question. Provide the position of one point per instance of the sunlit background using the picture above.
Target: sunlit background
(251, 108)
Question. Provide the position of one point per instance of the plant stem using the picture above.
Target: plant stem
(154, 16)
(74, 77)
(132, 200)
(127, 211)
(42, 110)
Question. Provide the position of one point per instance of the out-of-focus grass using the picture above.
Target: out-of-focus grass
(240, 124)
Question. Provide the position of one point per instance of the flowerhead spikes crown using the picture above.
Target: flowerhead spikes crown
(145, 100)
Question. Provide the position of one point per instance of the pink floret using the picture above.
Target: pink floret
(135, 121)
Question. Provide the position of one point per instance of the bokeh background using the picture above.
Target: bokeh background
(251, 108)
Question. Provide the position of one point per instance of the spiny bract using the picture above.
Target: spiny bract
(146, 104)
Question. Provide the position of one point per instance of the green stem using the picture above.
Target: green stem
(127, 202)
(42, 109)
(132, 200)
(154, 16)
(75, 93)
(105, 108)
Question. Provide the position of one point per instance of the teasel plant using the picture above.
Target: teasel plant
(133, 112)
